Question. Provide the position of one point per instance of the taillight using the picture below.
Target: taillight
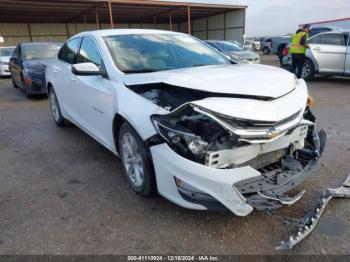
(27, 81)
(285, 51)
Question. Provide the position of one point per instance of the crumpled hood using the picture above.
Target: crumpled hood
(240, 79)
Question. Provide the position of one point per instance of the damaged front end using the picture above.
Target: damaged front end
(284, 152)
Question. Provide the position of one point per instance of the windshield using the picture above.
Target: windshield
(6, 51)
(229, 47)
(140, 53)
(39, 51)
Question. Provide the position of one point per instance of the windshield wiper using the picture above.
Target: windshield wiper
(140, 71)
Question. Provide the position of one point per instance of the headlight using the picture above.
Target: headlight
(192, 134)
(184, 140)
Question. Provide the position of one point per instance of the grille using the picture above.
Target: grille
(249, 124)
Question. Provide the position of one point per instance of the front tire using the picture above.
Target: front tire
(266, 51)
(137, 165)
(55, 108)
(308, 70)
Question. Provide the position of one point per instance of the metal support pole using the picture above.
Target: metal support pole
(189, 19)
(170, 21)
(30, 32)
(84, 17)
(110, 14)
(67, 29)
(97, 20)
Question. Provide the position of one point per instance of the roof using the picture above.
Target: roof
(327, 21)
(111, 32)
(124, 11)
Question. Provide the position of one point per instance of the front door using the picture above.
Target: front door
(329, 51)
(94, 97)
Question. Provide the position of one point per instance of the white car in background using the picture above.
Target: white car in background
(186, 122)
(5, 54)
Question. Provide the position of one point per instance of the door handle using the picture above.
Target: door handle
(317, 48)
(73, 78)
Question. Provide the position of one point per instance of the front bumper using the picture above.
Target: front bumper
(228, 187)
(4, 70)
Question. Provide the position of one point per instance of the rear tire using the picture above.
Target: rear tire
(137, 165)
(55, 109)
(266, 51)
(308, 70)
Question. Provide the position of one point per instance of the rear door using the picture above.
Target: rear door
(64, 80)
(329, 51)
(347, 59)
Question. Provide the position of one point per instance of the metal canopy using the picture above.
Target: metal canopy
(106, 11)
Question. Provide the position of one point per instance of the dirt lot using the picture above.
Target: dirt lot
(63, 193)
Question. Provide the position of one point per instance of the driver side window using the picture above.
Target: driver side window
(89, 52)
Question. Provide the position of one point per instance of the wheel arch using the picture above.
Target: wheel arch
(314, 62)
(118, 120)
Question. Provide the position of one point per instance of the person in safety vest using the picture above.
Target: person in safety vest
(298, 49)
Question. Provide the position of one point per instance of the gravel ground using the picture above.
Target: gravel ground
(63, 193)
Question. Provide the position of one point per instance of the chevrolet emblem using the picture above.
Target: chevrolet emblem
(272, 133)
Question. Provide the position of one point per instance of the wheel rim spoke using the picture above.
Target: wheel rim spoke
(132, 159)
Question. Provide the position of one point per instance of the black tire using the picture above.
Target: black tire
(266, 51)
(311, 71)
(148, 186)
(59, 119)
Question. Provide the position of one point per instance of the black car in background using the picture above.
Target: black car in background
(28, 63)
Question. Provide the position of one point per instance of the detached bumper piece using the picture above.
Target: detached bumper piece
(267, 192)
(308, 223)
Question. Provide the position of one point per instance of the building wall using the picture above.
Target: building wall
(229, 26)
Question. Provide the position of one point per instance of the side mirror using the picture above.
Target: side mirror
(86, 69)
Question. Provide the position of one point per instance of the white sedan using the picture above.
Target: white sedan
(186, 122)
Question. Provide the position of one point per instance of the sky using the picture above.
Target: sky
(275, 17)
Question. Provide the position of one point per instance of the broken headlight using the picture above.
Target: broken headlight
(187, 142)
(192, 134)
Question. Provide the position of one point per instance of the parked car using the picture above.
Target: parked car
(5, 54)
(204, 132)
(275, 45)
(329, 54)
(234, 51)
(28, 63)
(252, 45)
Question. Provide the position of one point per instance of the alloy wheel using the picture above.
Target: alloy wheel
(306, 70)
(54, 106)
(132, 159)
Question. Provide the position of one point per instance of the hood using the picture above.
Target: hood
(244, 54)
(36, 66)
(240, 79)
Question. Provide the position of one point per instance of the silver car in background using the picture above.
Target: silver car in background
(234, 51)
(329, 54)
(5, 54)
